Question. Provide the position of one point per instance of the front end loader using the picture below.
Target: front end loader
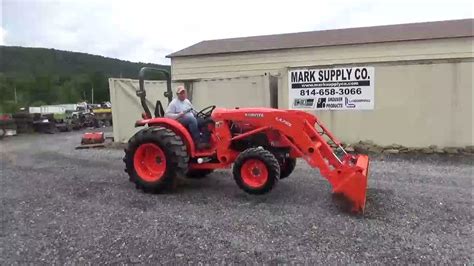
(260, 144)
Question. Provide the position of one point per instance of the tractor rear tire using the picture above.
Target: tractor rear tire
(256, 171)
(162, 155)
(287, 167)
(198, 174)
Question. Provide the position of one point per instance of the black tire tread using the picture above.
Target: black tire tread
(198, 174)
(173, 147)
(287, 167)
(266, 157)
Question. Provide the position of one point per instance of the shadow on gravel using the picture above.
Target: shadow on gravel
(343, 205)
(189, 185)
(284, 194)
(377, 203)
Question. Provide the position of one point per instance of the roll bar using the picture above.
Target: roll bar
(141, 93)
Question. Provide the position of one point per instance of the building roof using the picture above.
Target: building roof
(377, 34)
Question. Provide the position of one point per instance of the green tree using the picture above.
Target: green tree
(48, 76)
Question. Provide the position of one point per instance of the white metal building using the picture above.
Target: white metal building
(421, 83)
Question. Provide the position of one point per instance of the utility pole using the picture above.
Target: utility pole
(14, 90)
(92, 95)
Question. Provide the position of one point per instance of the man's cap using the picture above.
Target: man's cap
(180, 89)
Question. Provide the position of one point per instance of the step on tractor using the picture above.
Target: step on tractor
(261, 145)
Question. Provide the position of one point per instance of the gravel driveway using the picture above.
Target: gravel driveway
(60, 205)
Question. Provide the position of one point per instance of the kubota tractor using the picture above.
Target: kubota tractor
(260, 144)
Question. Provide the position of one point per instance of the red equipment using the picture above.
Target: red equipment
(92, 140)
(262, 144)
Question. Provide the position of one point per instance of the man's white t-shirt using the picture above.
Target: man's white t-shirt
(176, 106)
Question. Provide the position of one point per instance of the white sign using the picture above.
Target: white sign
(332, 89)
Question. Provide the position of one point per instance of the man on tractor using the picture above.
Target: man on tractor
(182, 110)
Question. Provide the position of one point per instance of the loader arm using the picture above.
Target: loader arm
(305, 135)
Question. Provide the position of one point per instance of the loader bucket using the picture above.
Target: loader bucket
(353, 183)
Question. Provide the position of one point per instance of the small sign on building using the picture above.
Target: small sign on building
(350, 88)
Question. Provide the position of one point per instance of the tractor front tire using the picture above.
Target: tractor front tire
(287, 167)
(198, 174)
(256, 171)
(154, 157)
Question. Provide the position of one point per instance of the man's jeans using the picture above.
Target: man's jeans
(193, 124)
(190, 122)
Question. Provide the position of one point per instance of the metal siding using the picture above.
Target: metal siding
(257, 63)
(415, 105)
(236, 92)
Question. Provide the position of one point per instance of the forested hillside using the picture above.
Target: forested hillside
(47, 76)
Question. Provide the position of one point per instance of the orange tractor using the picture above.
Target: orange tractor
(260, 144)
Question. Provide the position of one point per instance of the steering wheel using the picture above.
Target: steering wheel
(206, 112)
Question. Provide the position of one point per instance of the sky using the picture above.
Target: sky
(147, 31)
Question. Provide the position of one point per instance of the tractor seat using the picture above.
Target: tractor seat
(159, 111)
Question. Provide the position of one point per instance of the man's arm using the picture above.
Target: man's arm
(189, 103)
(191, 107)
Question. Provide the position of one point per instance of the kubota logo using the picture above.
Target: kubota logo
(255, 115)
(279, 119)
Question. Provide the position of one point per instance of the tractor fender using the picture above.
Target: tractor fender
(173, 125)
